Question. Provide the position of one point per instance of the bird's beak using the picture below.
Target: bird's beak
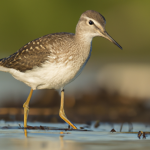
(107, 36)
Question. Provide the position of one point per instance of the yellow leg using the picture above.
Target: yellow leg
(62, 112)
(26, 108)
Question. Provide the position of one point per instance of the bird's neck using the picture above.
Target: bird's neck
(85, 43)
(83, 37)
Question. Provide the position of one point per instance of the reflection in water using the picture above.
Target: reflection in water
(44, 144)
(61, 142)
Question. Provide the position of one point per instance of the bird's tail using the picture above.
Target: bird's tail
(2, 68)
(1, 61)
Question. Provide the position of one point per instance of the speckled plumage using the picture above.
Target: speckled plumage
(36, 52)
(54, 60)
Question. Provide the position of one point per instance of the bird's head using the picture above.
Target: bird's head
(91, 24)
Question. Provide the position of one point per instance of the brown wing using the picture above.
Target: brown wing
(32, 54)
(35, 52)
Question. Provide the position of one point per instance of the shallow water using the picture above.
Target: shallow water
(94, 138)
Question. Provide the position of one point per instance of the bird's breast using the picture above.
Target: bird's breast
(85, 58)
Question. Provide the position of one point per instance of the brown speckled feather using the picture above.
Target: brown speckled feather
(33, 54)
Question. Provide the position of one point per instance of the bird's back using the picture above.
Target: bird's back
(36, 52)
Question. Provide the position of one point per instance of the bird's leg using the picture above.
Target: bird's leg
(26, 108)
(62, 112)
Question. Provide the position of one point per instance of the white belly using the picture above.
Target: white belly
(50, 76)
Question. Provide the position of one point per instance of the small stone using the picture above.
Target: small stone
(113, 130)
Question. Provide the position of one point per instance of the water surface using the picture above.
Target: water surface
(12, 138)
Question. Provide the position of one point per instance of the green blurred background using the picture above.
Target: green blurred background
(127, 21)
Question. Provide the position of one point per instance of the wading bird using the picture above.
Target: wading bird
(54, 60)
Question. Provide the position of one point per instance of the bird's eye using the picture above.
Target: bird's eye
(91, 22)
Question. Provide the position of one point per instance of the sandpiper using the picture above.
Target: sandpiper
(54, 60)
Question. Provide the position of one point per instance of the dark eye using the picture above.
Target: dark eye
(91, 22)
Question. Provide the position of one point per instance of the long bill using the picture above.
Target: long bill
(107, 36)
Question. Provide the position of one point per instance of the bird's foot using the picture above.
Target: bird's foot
(63, 116)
